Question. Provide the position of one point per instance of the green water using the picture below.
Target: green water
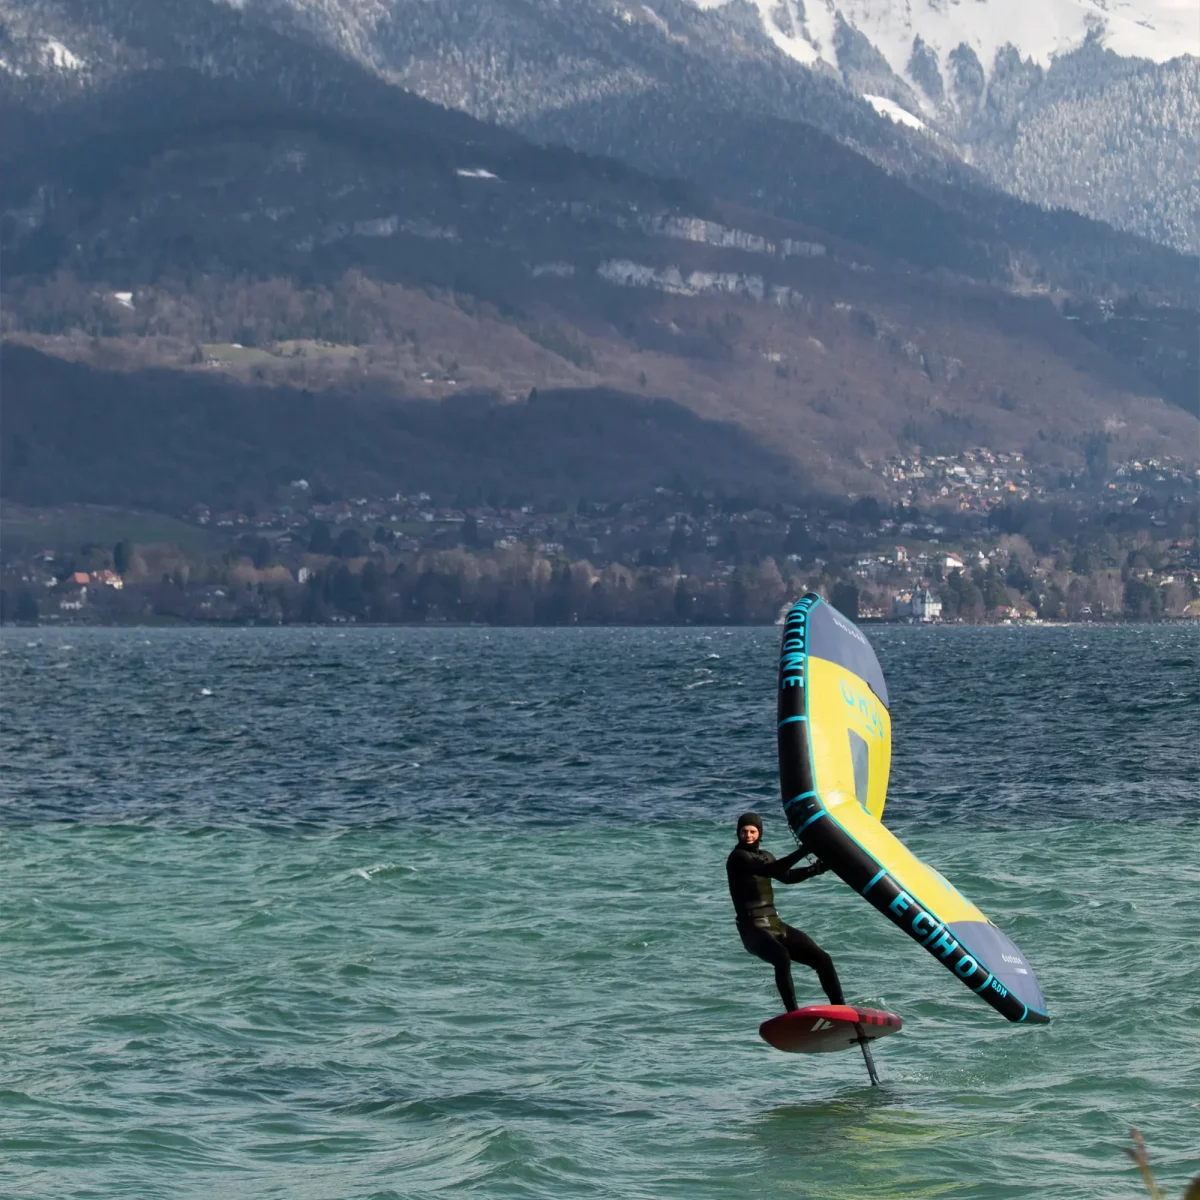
(367, 920)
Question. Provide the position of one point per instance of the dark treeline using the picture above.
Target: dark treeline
(165, 440)
(512, 588)
(1094, 575)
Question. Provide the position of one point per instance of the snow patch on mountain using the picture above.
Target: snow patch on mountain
(57, 55)
(39, 54)
(890, 109)
(810, 31)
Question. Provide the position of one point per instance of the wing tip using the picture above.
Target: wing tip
(1031, 1016)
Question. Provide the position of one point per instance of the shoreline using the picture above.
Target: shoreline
(870, 622)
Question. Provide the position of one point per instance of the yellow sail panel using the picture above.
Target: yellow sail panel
(925, 885)
(850, 734)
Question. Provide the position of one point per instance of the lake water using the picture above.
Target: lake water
(419, 913)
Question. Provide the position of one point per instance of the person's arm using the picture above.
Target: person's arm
(773, 868)
(800, 874)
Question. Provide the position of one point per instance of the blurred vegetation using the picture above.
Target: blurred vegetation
(1142, 1161)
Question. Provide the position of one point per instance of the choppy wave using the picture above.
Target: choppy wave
(1007, 728)
(249, 949)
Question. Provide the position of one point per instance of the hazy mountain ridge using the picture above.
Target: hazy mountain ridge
(1040, 30)
(1093, 105)
(237, 201)
(429, 253)
(1026, 95)
(740, 133)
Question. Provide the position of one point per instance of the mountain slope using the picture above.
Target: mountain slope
(1113, 138)
(417, 252)
(685, 93)
(236, 202)
(1039, 30)
(166, 440)
(1000, 85)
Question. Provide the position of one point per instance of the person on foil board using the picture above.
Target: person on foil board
(751, 869)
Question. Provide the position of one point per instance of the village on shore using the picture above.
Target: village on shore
(981, 537)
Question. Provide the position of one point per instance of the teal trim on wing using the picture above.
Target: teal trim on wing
(874, 880)
(789, 720)
(796, 800)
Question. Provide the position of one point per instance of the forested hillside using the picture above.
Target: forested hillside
(167, 440)
(204, 191)
(1040, 100)
(1101, 135)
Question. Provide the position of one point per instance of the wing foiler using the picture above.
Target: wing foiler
(835, 751)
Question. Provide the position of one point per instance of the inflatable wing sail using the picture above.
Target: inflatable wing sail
(835, 751)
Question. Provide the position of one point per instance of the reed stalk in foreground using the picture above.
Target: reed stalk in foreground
(1138, 1154)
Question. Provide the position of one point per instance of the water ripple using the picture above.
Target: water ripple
(416, 913)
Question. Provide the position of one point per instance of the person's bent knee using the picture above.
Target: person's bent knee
(778, 954)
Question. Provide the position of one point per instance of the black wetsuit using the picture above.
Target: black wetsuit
(763, 933)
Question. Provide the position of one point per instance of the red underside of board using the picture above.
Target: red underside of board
(821, 1028)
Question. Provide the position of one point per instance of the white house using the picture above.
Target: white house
(926, 606)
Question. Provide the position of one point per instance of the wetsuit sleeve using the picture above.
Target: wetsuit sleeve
(789, 860)
(772, 868)
(800, 874)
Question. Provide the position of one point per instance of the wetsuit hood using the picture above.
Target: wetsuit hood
(750, 818)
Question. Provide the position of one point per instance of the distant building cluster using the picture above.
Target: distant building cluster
(71, 591)
(976, 480)
(979, 480)
(720, 558)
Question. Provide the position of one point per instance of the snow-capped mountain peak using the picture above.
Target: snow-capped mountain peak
(919, 38)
